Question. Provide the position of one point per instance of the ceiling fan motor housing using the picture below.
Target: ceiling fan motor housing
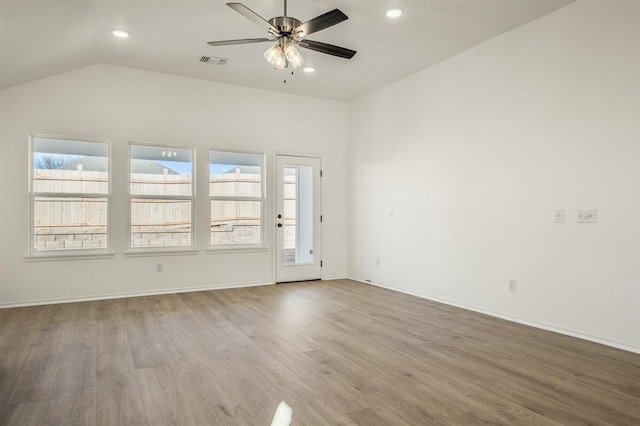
(285, 24)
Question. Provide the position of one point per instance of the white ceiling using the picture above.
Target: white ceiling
(39, 38)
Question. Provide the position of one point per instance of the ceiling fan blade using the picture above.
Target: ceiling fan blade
(329, 49)
(319, 23)
(239, 41)
(252, 16)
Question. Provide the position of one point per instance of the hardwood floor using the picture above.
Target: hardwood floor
(339, 352)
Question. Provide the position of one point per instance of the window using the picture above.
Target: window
(70, 195)
(161, 197)
(236, 191)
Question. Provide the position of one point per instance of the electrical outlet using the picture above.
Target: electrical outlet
(559, 217)
(513, 286)
(159, 267)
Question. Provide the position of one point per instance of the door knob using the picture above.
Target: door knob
(279, 225)
(279, 216)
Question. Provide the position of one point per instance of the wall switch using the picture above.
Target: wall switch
(513, 286)
(587, 216)
(378, 262)
(391, 215)
(159, 267)
(559, 216)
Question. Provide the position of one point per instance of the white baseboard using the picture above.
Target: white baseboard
(524, 321)
(129, 294)
(336, 277)
(141, 293)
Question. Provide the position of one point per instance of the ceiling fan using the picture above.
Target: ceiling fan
(288, 32)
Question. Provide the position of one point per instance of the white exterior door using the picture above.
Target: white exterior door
(298, 220)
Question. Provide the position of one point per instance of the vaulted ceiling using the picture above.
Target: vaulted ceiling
(39, 38)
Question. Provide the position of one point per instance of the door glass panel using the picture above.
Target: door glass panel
(298, 215)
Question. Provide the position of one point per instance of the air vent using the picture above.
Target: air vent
(213, 60)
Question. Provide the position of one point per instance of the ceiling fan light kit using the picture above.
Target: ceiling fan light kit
(287, 32)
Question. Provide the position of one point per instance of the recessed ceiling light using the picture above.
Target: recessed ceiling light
(394, 13)
(120, 33)
(309, 69)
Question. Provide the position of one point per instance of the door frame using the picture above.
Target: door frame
(274, 209)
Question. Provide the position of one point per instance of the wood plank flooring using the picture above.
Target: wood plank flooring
(339, 352)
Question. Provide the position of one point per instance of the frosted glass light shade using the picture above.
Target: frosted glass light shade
(293, 55)
(272, 53)
(280, 62)
(276, 57)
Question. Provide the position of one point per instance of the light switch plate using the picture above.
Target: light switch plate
(559, 216)
(587, 216)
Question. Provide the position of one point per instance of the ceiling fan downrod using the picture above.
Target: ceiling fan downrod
(285, 8)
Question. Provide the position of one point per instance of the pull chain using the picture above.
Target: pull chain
(285, 79)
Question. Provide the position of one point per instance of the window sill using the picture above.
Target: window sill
(160, 252)
(237, 249)
(48, 257)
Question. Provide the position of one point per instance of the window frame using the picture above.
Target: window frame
(235, 248)
(72, 254)
(161, 250)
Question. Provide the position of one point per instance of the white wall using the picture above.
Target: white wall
(474, 155)
(124, 105)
